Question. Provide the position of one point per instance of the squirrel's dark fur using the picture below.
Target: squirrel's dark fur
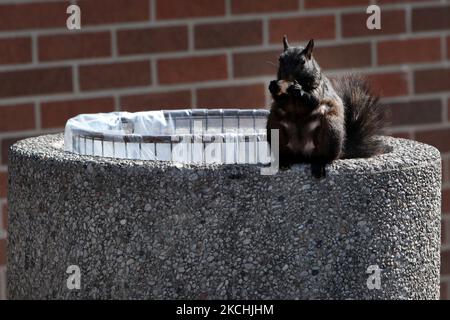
(320, 120)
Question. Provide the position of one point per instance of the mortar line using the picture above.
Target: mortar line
(408, 19)
(37, 115)
(373, 50)
(443, 48)
(154, 72)
(228, 11)
(75, 79)
(114, 47)
(444, 109)
(152, 8)
(194, 98)
(34, 50)
(410, 82)
(445, 278)
(338, 26)
(230, 65)
(191, 39)
(3, 282)
(265, 33)
(117, 106)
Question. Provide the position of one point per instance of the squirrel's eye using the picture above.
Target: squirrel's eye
(302, 61)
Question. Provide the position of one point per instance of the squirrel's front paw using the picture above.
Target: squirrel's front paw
(274, 88)
(295, 90)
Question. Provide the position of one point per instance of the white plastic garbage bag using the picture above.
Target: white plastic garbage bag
(184, 136)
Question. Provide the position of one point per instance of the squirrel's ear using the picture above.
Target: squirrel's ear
(285, 43)
(309, 48)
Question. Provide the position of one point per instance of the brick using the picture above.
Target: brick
(175, 9)
(432, 80)
(2, 252)
(431, 18)
(320, 4)
(259, 6)
(415, 112)
(443, 232)
(446, 201)
(74, 46)
(250, 64)
(344, 56)
(3, 184)
(445, 170)
(401, 1)
(244, 96)
(5, 144)
(15, 50)
(55, 114)
(33, 15)
(230, 34)
(5, 216)
(409, 51)
(156, 101)
(444, 291)
(192, 69)
(448, 47)
(389, 84)
(445, 262)
(113, 11)
(16, 117)
(114, 75)
(35, 82)
(448, 110)
(301, 29)
(403, 135)
(151, 40)
(354, 24)
(435, 137)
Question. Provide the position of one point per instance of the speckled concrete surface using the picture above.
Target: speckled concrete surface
(153, 230)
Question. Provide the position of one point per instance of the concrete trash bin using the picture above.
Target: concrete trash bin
(154, 230)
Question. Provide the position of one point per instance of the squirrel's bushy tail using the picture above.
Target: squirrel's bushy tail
(364, 117)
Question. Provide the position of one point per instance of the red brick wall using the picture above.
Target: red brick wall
(151, 54)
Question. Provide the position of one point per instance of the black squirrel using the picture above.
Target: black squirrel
(320, 120)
